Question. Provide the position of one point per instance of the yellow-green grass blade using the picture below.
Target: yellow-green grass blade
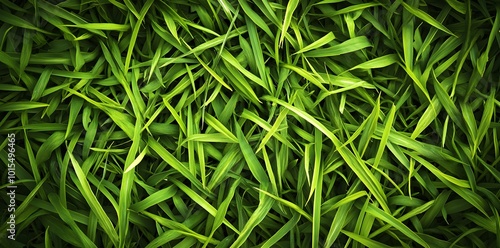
(53, 142)
(307, 75)
(255, 17)
(288, 204)
(19, 106)
(350, 9)
(352, 159)
(286, 228)
(377, 213)
(180, 228)
(132, 160)
(290, 8)
(364, 240)
(222, 211)
(25, 51)
(449, 105)
(316, 181)
(172, 161)
(23, 208)
(32, 159)
(348, 46)
(427, 118)
(234, 63)
(203, 203)
(318, 43)
(17, 21)
(426, 17)
(338, 223)
(367, 135)
(385, 136)
(317, 186)
(270, 170)
(266, 126)
(251, 159)
(176, 116)
(273, 130)
(414, 212)
(379, 62)
(135, 33)
(76, 106)
(217, 125)
(265, 204)
(224, 166)
(66, 217)
(94, 204)
(257, 52)
(214, 74)
(102, 26)
(485, 122)
(154, 198)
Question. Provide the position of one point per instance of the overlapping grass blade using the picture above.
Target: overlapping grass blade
(91, 199)
(251, 123)
(348, 46)
(265, 204)
(377, 213)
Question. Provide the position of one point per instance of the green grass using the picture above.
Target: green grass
(324, 123)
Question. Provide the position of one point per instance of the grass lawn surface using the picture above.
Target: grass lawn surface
(237, 123)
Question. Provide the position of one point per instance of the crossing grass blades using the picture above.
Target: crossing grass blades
(236, 123)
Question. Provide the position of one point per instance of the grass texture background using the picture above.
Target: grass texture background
(236, 123)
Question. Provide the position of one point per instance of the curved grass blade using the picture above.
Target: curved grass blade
(290, 8)
(91, 199)
(426, 18)
(389, 219)
(352, 159)
(348, 46)
(265, 204)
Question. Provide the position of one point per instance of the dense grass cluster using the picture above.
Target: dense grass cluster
(237, 123)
